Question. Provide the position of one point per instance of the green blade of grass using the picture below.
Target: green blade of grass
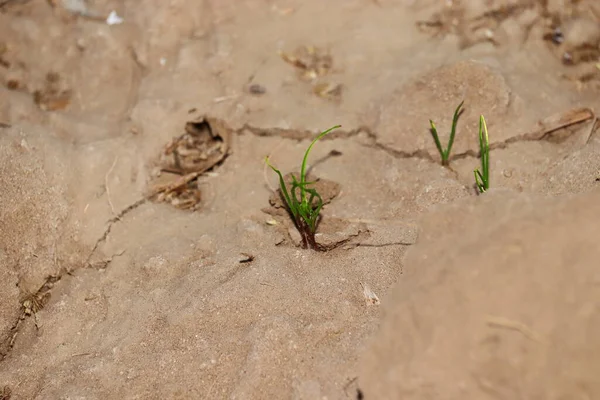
(303, 168)
(284, 190)
(453, 131)
(486, 153)
(445, 154)
(479, 181)
(314, 212)
(436, 139)
(482, 178)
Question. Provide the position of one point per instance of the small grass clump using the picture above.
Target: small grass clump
(303, 203)
(445, 154)
(482, 178)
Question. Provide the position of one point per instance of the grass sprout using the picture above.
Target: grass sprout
(445, 154)
(304, 203)
(482, 178)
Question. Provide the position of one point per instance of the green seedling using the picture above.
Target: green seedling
(445, 154)
(482, 178)
(304, 203)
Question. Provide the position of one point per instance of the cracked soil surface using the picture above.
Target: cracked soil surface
(431, 292)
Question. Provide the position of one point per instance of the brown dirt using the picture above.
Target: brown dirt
(489, 296)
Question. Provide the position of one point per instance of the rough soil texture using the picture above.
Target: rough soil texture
(511, 312)
(479, 296)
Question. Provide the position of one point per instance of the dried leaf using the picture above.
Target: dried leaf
(370, 296)
(204, 144)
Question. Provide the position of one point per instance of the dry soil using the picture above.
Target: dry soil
(429, 290)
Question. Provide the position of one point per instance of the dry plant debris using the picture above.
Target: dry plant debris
(54, 95)
(328, 90)
(205, 143)
(573, 27)
(572, 30)
(6, 393)
(31, 304)
(50, 95)
(576, 42)
(312, 64)
(246, 258)
(371, 298)
(472, 29)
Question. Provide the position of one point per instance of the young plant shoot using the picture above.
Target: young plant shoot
(482, 178)
(445, 154)
(303, 203)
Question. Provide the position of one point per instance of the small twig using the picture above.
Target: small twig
(112, 208)
(81, 354)
(593, 129)
(246, 258)
(178, 183)
(225, 98)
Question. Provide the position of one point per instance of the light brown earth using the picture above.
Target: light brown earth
(492, 296)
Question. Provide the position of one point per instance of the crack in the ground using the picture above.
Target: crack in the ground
(299, 135)
(539, 135)
(384, 244)
(548, 126)
(32, 303)
(111, 222)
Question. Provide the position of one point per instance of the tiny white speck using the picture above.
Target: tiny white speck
(114, 19)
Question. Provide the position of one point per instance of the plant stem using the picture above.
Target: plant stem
(453, 131)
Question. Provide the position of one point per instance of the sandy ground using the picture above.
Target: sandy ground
(492, 296)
